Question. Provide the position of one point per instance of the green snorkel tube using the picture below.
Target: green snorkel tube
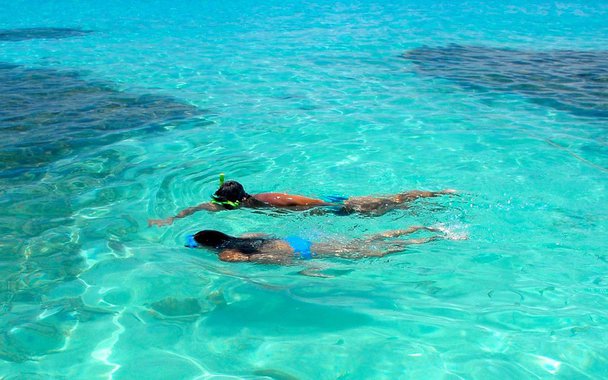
(214, 198)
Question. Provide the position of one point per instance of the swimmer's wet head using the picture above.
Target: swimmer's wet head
(220, 241)
(208, 238)
(230, 194)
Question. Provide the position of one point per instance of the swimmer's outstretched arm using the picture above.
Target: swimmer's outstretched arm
(184, 213)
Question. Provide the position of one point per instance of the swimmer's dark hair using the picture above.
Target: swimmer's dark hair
(231, 191)
(212, 238)
(219, 240)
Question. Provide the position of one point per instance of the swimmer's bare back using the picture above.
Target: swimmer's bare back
(288, 200)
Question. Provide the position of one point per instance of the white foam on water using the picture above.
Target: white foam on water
(452, 232)
(550, 365)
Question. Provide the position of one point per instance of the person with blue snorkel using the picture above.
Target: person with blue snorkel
(231, 195)
(264, 249)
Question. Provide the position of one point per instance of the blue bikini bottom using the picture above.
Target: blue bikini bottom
(300, 247)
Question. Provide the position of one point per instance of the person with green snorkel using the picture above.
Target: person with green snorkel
(232, 195)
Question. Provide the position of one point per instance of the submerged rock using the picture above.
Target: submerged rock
(567, 80)
(47, 115)
(34, 33)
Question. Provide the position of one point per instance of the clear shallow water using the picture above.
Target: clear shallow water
(103, 130)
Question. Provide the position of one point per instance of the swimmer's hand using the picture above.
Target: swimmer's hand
(160, 222)
(448, 191)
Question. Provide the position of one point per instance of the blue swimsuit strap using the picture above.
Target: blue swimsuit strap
(300, 246)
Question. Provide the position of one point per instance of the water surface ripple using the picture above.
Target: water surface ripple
(100, 131)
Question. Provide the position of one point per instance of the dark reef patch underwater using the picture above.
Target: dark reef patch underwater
(34, 33)
(566, 80)
(47, 114)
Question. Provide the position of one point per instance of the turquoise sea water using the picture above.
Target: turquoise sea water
(128, 112)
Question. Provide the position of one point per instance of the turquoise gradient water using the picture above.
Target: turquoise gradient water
(313, 98)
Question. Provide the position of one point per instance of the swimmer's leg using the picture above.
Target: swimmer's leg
(395, 247)
(369, 205)
(415, 194)
(397, 233)
(357, 245)
(381, 205)
(376, 247)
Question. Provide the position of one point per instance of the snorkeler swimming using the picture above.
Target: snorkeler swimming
(264, 249)
(231, 195)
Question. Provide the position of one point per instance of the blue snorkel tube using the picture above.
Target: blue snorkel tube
(190, 242)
